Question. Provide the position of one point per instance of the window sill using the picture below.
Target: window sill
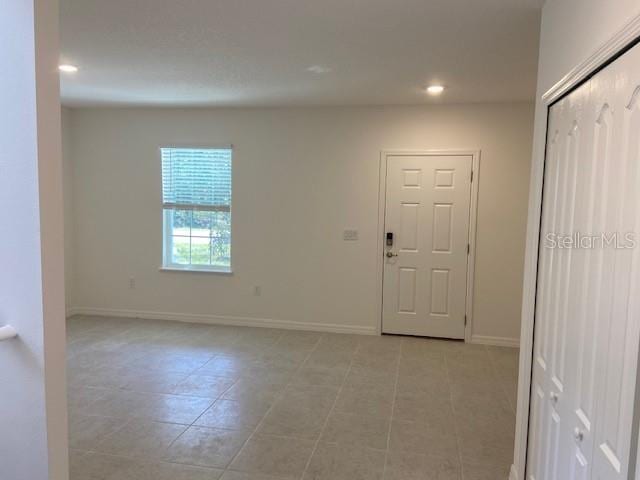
(220, 270)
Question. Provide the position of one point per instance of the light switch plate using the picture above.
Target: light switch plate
(350, 235)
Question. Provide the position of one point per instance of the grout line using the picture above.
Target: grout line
(393, 408)
(276, 399)
(326, 421)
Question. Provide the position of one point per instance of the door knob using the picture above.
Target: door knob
(391, 254)
(578, 434)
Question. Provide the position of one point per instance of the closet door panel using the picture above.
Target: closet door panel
(619, 313)
(587, 328)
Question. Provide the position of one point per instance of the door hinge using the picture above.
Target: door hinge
(465, 320)
(468, 248)
(472, 175)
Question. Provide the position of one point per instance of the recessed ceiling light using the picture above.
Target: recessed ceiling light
(319, 69)
(435, 89)
(66, 68)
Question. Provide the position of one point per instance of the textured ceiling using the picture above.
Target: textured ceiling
(259, 52)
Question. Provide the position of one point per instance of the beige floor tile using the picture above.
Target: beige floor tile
(86, 432)
(340, 462)
(198, 385)
(81, 397)
(266, 372)
(97, 376)
(142, 439)
(295, 338)
(427, 408)
(254, 388)
(411, 466)
(483, 472)
(431, 401)
(492, 428)
(376, 363)
(493, 404)
(95, 466)
(153, 381)
(471, 372)
(207, 447)
(277, 456)
(370, 400)
(171, 362)
(436, 384)
(477, 450)
(118, 404)
(296, 422)
(414, 347)
(224, 366)
(361, 376)
(310, 375)
(243, 414)
(415, 366)
(329, 359)
(413, 437)
(231, 475)
(365, 431)
(156, 470)
(316, 397)
(174, 408)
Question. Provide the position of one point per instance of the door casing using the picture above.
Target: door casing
(382, 200)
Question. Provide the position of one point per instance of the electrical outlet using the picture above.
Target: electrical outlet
(350, 235)
(132, 282)
(257, 290)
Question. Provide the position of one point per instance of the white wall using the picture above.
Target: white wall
(69, 217)
(33, 420)
(571, 31)
(301, 176)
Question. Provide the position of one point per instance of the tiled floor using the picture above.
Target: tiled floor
(173, 401)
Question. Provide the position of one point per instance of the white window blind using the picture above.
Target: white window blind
(196, 201)
(196, 179)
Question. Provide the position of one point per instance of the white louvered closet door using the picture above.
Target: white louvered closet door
(587, 307)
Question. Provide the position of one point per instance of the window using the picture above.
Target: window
(196, 202)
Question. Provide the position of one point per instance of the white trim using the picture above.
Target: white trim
(513, 473)
(223, 320)
(495, 341)
(471, 260)
(194, 269)
(198, 146)
(609, 49)
(473, 218)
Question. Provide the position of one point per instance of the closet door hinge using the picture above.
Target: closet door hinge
(472, 175)
(465, 320)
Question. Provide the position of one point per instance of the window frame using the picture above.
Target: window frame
(167, 230)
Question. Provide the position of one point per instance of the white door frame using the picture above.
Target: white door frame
(473, 215)
(617, 44)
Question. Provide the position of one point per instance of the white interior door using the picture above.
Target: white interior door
(587, 309)
(425, 265)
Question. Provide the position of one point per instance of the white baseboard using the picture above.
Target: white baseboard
(223, 320)
(513, 474)
(496, 341)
